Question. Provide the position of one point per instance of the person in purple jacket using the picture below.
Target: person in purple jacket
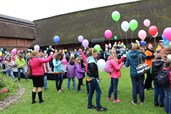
(71, 73)
(79, 73)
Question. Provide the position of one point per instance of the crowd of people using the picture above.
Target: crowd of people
(83, 64)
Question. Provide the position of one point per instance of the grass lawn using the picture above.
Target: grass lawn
(72, 102)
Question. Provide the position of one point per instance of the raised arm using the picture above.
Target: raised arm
(46, 59)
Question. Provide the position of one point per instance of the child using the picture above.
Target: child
(157, 65)
(115, 75)
(79, 73)
(167, 99)
(92, 74)
(71, 73)
(9, 67)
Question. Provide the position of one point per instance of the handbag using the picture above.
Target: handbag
(142, 67)
(29, 73)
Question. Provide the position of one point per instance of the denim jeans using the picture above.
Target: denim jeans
(94, 86)
(45, 81)
(10, 73)
(88, 86)
(167, 100)
(138, 87)
(73, 83)
(23, 71)
(113, 88)
(158, 91)
(59, 80)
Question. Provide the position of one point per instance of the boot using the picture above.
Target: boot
(33, 97)
(40, 97)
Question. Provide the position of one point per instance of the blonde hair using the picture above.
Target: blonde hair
(33, 54)
(112, 53)
(135, 46)
(91, 51)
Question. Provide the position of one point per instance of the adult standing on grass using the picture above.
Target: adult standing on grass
(137, 80)
(36, 64)
(93, 76)
(58, 69)
(21, 63)
(149, 58)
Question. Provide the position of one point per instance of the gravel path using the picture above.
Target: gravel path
(11, 99)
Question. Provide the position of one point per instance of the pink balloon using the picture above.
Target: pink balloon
(147, 22)
(108, 34)
(64, 61)
(36, 47)
(167, 33)
(85, 43)
(14, 51)
(80, 38)
(142, 34)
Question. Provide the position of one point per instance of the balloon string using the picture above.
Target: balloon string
(119, 31)
(126, 38)
(132, 36)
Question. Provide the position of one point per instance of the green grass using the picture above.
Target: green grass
(10, 84)
(72, 102)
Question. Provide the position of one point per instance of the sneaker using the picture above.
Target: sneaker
(141, 103)
(91, 107)
(101, 109)
(41, 101)
(134, 103)
(116, 101)
(110, 99)
(59, 91)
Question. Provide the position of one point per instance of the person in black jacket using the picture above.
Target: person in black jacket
(157, 66)
(93, 76)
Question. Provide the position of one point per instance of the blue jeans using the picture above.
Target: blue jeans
(10, 73)
(94, 86)
(23, 71)
(45, 81)
(113, 88)
(73, 83)
(167, 100)
(158, 91)
(59, 80)
(138, 87)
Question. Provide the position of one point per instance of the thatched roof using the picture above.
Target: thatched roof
(11, 27)
(92, 23)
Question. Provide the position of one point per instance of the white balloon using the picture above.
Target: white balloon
(125, 26)
(169, 57)
(101, 65)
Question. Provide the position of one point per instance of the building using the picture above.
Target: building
(16, 33)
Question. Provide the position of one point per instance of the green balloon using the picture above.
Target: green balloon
(115, 37)
(97, 47)
(133, 24)
(116, 16)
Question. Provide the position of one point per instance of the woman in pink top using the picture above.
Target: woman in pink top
(36, 64)
(115, 75)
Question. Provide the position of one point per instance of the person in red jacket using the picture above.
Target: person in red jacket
(37, 71)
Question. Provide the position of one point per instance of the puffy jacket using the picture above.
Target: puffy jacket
(132, 61)
(57, 65)
(149, 57)
(20, 63)
(36, 65)
(79, 71)
(92, 68)
(157, 66)
(70, 67)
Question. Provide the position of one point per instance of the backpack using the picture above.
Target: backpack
(108, 67)
(163, 78)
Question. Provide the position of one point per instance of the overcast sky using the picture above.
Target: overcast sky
(37, 9)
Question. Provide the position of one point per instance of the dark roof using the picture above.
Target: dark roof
(92, 23)
(11, 27)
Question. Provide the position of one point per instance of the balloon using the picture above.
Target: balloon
(14, 51)
(108, 34)
(169, 57)
(98, 48)
(143, 43)
(56, 39)
(163, 37)
(36, 47)
(147, 22)
(85, 43)
(125, 26)
(133, 24)
(116, 16)
(0, 53)
(142, 34)
(167, 33)
(64, 61)
(101, 64)
(80, 38)
(115, 37)
(153, 31)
